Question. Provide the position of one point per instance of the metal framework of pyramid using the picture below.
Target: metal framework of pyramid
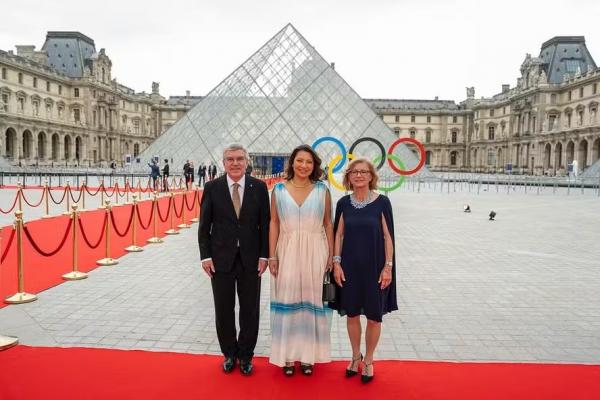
(284, 95)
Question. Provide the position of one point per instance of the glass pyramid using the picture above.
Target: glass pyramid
(284, 95)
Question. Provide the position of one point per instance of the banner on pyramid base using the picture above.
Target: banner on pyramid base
(394, 161)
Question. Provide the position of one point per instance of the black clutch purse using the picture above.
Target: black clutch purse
(329, 289)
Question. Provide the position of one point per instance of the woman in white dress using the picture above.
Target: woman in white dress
(300, 251)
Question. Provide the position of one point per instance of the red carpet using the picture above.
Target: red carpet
(78, 373)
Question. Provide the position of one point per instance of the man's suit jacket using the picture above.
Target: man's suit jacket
(220, 231)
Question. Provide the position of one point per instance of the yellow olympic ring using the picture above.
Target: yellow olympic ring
(330, 171)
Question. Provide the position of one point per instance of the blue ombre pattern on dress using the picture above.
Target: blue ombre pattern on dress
(300, 322)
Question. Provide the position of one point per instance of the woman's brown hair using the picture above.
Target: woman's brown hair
(316, 173)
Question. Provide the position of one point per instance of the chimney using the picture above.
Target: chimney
(333, 65)
(187, 94)
(505, 88)
(436, 98)
(25, 51)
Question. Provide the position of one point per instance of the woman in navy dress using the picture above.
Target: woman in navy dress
(364, 267)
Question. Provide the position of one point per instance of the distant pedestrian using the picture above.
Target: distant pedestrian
(165, 172)
(154, 174)
(201, 175)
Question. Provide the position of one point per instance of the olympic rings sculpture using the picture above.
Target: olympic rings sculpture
(338, 162)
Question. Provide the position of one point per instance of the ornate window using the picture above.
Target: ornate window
(491, 132)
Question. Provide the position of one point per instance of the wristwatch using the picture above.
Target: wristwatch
(389, 263)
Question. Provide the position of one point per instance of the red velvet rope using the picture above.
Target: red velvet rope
(175, 209)
(51, 253)
(32, 205)
(85, 239)
(90, 193)
(149, 219)
(52, 197)
(186, 203)
(114, 224)
(10, 240)
(73, 197)
(11, 207)
(168, 210)
(109, 195)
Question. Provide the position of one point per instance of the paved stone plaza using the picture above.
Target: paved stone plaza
(525, 287)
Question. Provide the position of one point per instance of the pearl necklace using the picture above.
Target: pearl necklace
(360, 204)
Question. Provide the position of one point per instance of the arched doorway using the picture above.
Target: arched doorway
(570, 152)
(27, 144)
(558, 161)
(596, 150)
(41, 146)
(10, 138)
(55, 147)
(78, 148)
(67, 147)
(582, 154)
(547, 156)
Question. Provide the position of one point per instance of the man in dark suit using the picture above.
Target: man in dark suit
(201, 175)
(165, 172)
(233, 236)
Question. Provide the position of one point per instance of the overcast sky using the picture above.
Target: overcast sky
(382, 48)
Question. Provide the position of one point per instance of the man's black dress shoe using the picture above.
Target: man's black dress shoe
(228, 364)
(246, 367)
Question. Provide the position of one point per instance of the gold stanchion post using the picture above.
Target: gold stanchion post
(195, 219)
(74, 275)
(47, 200)
(68, 196)
(127, 190)
(107, 260)
(183, 225)
(102, 189)
(6, 342)
(116, 192)
(134, 247)
(21, 296)
(83, 190)
(172, 230)
(155, 238)
(20, 195)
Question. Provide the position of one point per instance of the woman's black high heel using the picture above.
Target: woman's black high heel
(365, 378)
(349, 371)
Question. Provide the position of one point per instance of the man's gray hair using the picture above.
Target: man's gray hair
(235, 147)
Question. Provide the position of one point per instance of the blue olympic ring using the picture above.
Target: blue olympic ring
(340, 164)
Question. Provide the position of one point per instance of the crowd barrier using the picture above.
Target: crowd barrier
(114, 192)
(44, 252)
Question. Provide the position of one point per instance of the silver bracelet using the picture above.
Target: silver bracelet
(336, 259)
(273, 259)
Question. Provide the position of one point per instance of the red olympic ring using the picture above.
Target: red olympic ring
(421, 161)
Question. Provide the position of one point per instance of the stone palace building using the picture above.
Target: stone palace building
(61, 106)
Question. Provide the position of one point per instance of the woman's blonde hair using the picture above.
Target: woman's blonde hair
(370, 166)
